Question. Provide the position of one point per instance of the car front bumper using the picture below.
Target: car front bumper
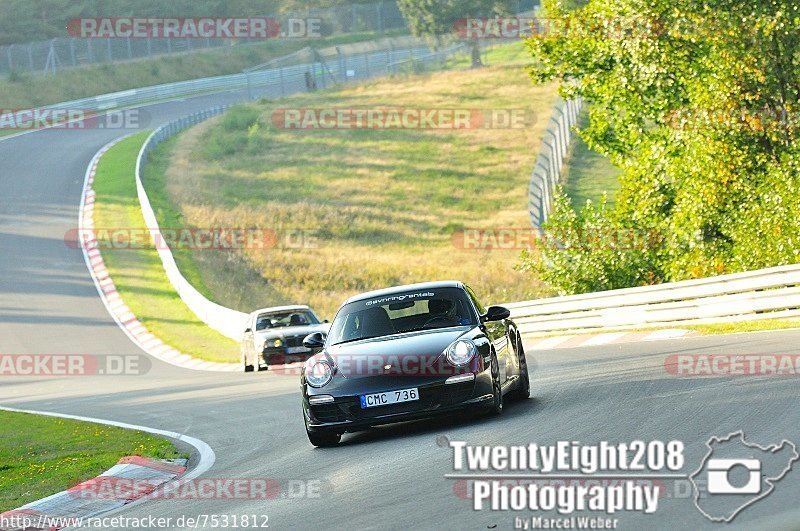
(345, 413)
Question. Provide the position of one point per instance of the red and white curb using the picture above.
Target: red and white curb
(94, 497)
(131, 479)
(116, 307)
(608, 338)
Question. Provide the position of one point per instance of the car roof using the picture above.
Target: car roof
(276, 309)
(408, 287)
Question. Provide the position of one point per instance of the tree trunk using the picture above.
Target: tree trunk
(477, 62)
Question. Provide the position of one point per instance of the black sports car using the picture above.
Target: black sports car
(410, 352)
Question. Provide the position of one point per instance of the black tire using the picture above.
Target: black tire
(324, 439)
(523, 390)
(247, 368)
(496, 408)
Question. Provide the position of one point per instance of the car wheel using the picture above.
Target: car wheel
(523, 390)
(497, 391)
(247, 368)
(323, 439)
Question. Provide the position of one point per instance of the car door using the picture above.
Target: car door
(497, 332)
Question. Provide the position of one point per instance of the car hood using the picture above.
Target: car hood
(368, 357)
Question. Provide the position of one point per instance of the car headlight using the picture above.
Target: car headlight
(461, 352)
(277, 343)
(319, 374)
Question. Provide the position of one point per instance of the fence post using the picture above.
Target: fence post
(130, 50)
(10, 58)
(30, 56)
(283, 86)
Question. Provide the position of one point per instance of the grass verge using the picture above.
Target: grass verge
(40, 456)
(746, 326)
(138, 272)
(588, 174)
(384, 205)
(715, 329)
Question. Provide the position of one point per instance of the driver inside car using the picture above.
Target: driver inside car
(445, 310)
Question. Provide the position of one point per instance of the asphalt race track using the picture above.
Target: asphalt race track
(392, 477)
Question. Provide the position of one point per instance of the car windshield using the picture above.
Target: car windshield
(266, 321)
(402, 312)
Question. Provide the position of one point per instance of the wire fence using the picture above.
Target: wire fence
(47, 57)
(547, 171)
(311, 69)
(325, 68)
(56, 54)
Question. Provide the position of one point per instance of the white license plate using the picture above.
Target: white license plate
(389, 397)
(297, 350)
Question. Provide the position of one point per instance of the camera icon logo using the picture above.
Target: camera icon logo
(719, 472)
(736, 473)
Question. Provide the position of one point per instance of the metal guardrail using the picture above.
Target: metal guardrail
(766, 294)
(229, 322)
(547, 171)
(270, 82)
(50, 56)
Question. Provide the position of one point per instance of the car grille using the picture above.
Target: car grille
(329, 413)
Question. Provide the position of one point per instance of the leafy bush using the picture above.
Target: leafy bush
(698, 105)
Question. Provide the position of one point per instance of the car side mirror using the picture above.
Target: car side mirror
(248, 330)
(315, 340)
(496, 313)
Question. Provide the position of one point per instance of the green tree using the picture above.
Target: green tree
(698, 103)
(437, 19)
